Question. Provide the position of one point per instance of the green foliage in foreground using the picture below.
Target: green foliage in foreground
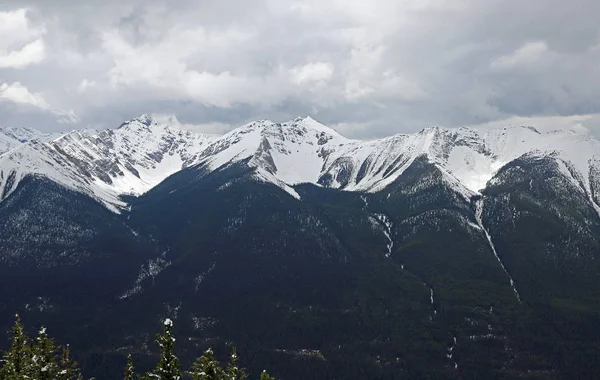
(37, 358)
(41, 359)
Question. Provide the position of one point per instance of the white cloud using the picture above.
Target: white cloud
(354, 90)
(210, 128)
(20, 43)
(527, 54)
(166, 66)
(314, 73)
(33, 52)
(578, 123)
(18, 94)
(387, 65)
(85, 85)
(65, 116)
(396, 85)
(225, 89)
(15, 27)
(352, 130)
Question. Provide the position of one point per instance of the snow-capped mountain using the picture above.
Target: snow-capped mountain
(142, 152)
(437, 244)
(12, 137)
(24, 134)
(106, 164)
(7, 143)
(305, 151)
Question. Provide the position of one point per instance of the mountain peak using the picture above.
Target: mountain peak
(299, 119)
(143, 119)
(431, 129)
(310, 123)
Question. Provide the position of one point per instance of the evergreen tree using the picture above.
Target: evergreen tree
(44, 360)
(68, 368)
(129, 370)
(207, 367)
(233, 372)
(17, 360)
(168, 366)
(39, 360)
(265, 376)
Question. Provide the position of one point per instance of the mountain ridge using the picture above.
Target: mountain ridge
(142, 152)
(104, 164)
(12, 137)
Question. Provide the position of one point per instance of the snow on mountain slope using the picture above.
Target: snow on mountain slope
(24, 134)
(371, 166)
(105, 164)
(283, 153)
(303, 150)
(143, 152)
(12, 137)
(7, 143)
(474, 156)
(478, 154)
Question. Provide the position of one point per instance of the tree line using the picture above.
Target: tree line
(41, 359)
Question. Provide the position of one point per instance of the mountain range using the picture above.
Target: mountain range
(447, 253)
(143, 152)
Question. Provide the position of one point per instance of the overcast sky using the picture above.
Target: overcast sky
(367, 68)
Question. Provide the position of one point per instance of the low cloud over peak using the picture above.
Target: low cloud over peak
(372, 68)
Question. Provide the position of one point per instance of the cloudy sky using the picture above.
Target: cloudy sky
(368, 68)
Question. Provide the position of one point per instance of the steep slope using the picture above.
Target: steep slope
(298, 284)
(456, 253)
(7, 143)
(64, 258)
(284, 154)
(107, 164)
(305, 151)
(141, 153)
(544, 223)
(12, 137)
(24, 134)
(48, 226)
(470, 156)
(303, 284)
(546, 232)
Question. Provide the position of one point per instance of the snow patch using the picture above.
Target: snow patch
(479, 217)
(200, 278)
(149, 270)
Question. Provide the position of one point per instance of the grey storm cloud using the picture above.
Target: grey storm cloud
(368, 69)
